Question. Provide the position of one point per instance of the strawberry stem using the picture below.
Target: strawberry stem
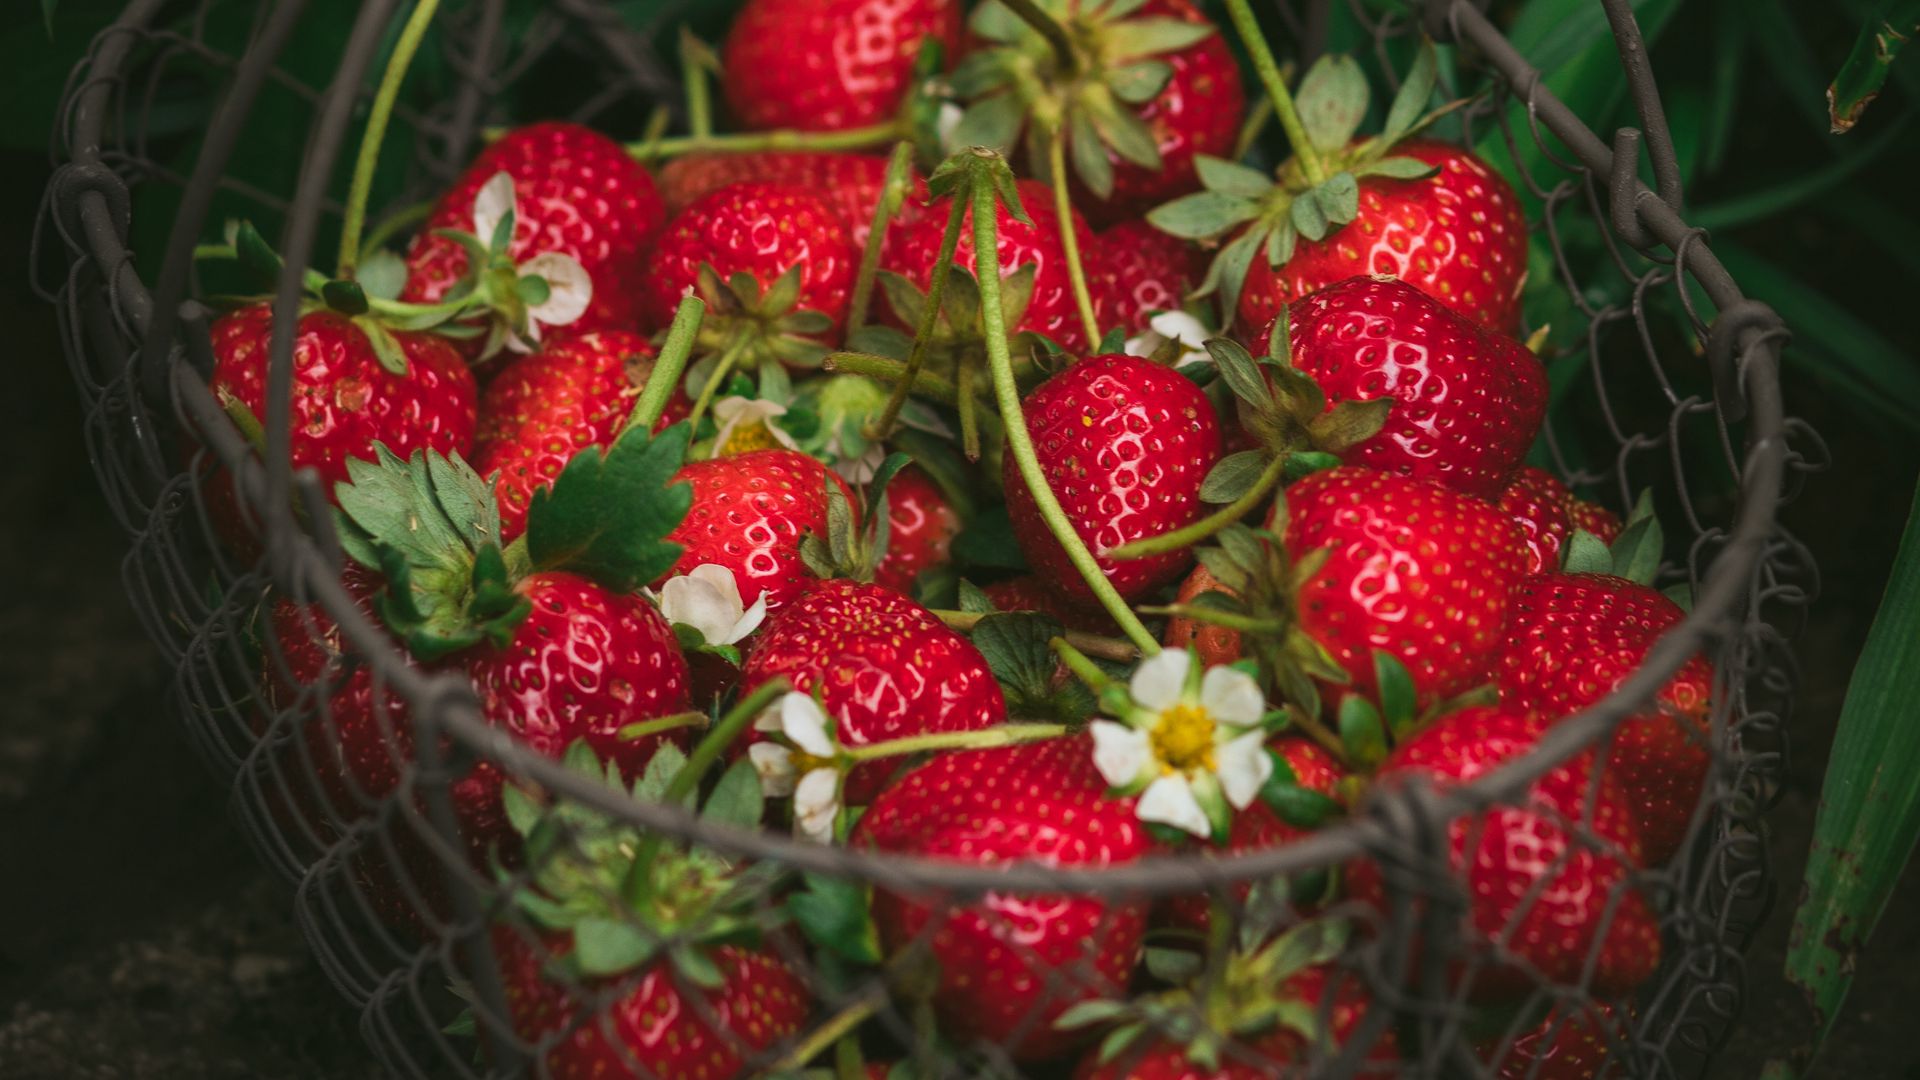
(699, 91)
(982, 739)
(1069, 240)
(645, 728)
(391, 225)
(1188, 535)
(887, 369)
(857, 1012)
(376, 132)
(668, 365)
(859, 138)
(1083, 669)
(929, 317)
(893, 192)
(729, 356)
(986, 257)
(1049, 28)
(638, 887)
(1245, 624)
(1276, 86)
(969, 413)
(1104, 647)
(1320, 733)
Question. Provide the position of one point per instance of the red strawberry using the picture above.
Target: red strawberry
(1594, 518)
(577, 193)
(829, 65)
(1215, 645)
(1551, 898)
(920, 529)
(999, 956)
(762, 230)
(1459, 237)
(1030, 593)
(1143, 270)
(884, 666)
(1571, 640)
(1466, 403)
(748, 515)
(1537, 502)
(1412, 569)
(1570, 1044)
(656, 1019)
(853, 183)
(914, 243)
(540, 409)
(1125, 444)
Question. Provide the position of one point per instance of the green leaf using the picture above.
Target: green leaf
(382, 274)
(1396, 692)
(1332, 101)
(1301, 807)
(1228, 273)
(1153, 35)
(1416, 90)
(1233, 476)
(973, 600)
(992, 121)
(1339, 198)
(1349, 424)
(386, 347)
(1139, 83)
(1231, 177)
(662, 767)
(1361, 731)
(1122, 129)
(1586, 553)
(608, 516)
(1869, 817)
(1399, 168)
(1635, 554)
(988, 542)
(1681, 595)
(834, 914)
(1309, 218)
(1175, 966)
(1239, 370)
(1090, 161)
(603, 946)
(1866, 67)
(736, 799)
(1089, 1013)
(1202, 215)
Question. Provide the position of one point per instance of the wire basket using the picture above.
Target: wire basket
(409, 923)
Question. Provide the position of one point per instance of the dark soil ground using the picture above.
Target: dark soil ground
(139, 938)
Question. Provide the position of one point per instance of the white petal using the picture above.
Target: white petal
(750, 619)
(1232, 697)
(1179, 326)
(1159, 680)
(944, 123)
(1145, 345)
(1170, 800)
(802, 722)
(569, 288)
(815, 802)
(721, 578)
(774, 763)
(700, 604)
(857, 470)
(1121, 753)
(769, 718)
(731, 412)
(1243, 765)
(495, 200)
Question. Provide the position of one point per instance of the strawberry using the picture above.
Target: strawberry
(1125, 444)
(1143, 271)
(575, 392)
(1593, 518)
(914, 243)
(774, 262)
(1152, 85)
(1554, 900)
(920, 528)
(1459, 236)
(853, 183)
(1030, 593)
(1537, 501)
(1412, 569)
(749, 513)
(829, 65)
(1572, 639)
(1572, 1043)
(1466, 403)
(1001, 956)
(1215, 645)
(577, 193)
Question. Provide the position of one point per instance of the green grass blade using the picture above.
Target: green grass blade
(1787, 58)
(1769, 202)
(1866, 67)
(1869, 814)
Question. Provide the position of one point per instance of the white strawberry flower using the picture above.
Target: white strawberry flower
(1167, 326)
(808, 769)
(861, 469)
(1191, 746)
(707, 598)
(741, 415)
(569, 286)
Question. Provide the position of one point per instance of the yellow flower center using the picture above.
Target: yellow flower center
(804, 763)
(1183, 738)
(746, 438)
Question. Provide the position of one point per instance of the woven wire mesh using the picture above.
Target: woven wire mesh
(400, 890)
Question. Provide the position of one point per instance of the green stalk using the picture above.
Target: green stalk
(887, 369)
(699, 91)
(982, 739)
(376, 132)
(1226, 620)
(969, 418)
(1189, 535)
(986, 248)
(859, 138)
(1276, 86)
(1049, 28)
(893, 192)
(1070, 243)
(728, 358)
(852, 1016)
(1104, 647)
(391, 225)
(1083, 669)
(668, 365)
(645, 728)
(929, 317)
(638, 887)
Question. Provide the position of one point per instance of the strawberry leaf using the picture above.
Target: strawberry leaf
(1415, 91)
(1228, 273)
(1238, 369)
(1139, 83)
(834, 914)
(992, 122)
(736, 799)
(1231, 177)
(1233, 476)
(603, 946)
(1586, 553)
(1153, 35)
(1396, 692)
(1339, 198)
(1015, 646)
(1681, 594)
(386, 347)
(607, 515)
(1332, 101)
(973, 600)
(1399, 168)
(1309, 218)
(1123, 130)
(1203, 214)
(382, 274)
(1090, 161)
(1299, 806)
(1361, 732)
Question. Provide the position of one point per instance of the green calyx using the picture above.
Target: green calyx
(1079, 68)
(1271, 214)
(766, 325)
(856, 541)
(1285, 410)
(1634, 554)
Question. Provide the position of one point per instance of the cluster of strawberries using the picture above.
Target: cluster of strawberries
(1261, 454)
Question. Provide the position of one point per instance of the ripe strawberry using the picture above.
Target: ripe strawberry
(829, 65)
(577, 193)
(1537, 502)
(1594, 518)
(1143, 271)
(1125, 444)
(998, 955)
(884, 666)
(852, 183)
(1029, 593)
(920, 529)
(1215, 645)
(1570, 1044)
(914, 243)
(540, 409)
(1412, 569)
(1552, 899)
(1458, 236)
(748, 515)
(762, 230)
(1571, 640)
(1467, 403)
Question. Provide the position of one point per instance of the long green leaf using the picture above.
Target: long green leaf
(1789, 60)
(1869, 816)
(1865, 71)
